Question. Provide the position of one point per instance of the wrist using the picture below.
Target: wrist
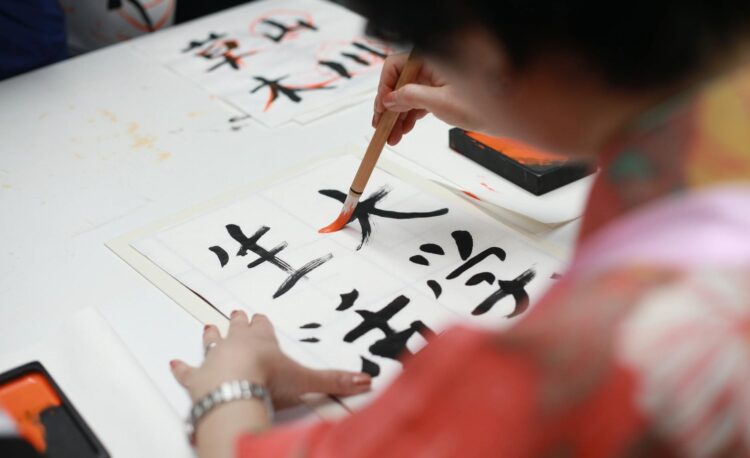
(237, 393)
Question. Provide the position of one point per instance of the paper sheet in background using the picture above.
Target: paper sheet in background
(427, 147)
(394, 273)
(276, 60)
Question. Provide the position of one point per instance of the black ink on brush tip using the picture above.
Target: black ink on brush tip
(368, 208)
(347, 300)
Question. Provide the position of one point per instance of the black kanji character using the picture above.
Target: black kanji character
(367, 208)
(289, 91)
(251, 244)
(195, 44)
(284, 29)
(341, 68)
(393, 344)
(465, 245)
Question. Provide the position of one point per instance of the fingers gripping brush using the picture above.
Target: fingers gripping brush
(377, 143)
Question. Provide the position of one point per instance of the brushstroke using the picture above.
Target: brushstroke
(515, 288)
(492, 251)
(432, 248)
(347, 300)
(437, 290)
(377, 320)
(221, 254)
(369, 367)
(336, 67)
(297, 275)
(481, 277)
(464, 243)
(248, 244)
(372, 51)
(284, 30)
(310, 326)
(291, 92)
(394, 345)
(212, 37)
(355, 58)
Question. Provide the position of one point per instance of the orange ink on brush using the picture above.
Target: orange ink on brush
(337, 225)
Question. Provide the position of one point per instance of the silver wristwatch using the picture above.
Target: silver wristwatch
(226, 392)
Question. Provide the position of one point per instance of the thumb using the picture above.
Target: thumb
(341, 383)
(415, 96)
(181, 372)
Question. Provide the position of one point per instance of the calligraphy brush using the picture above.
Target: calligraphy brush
(377, 143)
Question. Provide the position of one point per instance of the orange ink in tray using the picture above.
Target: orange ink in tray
(519, 152)
(24, 399)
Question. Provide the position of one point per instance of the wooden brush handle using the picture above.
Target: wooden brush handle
(383, 130)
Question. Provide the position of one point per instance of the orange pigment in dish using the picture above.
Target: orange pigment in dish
(519, 152)
(23, 399)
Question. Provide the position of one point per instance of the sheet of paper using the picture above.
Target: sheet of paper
(275, 60)
(170, 333)
(408, 266)
(107, 387)
(427, 147)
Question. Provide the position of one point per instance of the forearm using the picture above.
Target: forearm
(219, 429)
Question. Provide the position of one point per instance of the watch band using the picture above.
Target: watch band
(226, 392)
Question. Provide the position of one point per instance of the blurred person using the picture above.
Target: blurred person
(32, 35)
(643, 347)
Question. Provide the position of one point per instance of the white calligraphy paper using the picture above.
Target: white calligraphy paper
(276, 59)
(418, 262)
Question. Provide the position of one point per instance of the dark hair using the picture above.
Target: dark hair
(632, 44)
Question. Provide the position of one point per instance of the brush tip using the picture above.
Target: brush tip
(337, 225)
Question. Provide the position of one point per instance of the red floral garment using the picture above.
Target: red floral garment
(642, 349)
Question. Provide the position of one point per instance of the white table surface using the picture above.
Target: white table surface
(99, 145)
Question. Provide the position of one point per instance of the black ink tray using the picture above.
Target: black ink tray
(497, 155)
(40, 409)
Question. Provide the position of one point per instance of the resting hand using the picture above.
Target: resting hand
(250, 351)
